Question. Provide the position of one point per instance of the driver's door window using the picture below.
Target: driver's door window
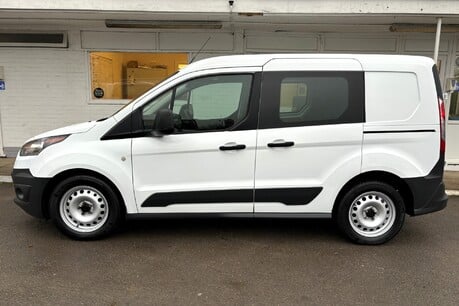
(205, 104)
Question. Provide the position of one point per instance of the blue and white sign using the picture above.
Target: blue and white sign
(456, 86)
(2, 85)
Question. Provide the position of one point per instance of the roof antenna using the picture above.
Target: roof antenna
(199, 51)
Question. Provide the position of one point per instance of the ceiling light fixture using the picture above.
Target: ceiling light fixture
(423, 28)
(250, 14)
(162, 24)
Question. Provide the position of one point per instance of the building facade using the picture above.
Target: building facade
(63, 62)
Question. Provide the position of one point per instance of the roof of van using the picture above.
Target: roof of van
(367, 61)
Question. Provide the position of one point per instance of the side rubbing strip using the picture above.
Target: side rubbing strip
(163, 199)
(398, 131)
(288, 196)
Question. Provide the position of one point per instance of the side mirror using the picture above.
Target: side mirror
(164, 123)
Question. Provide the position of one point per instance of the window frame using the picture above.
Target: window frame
(131, 125)
(270, 98)
(91, 100)
(116, 102)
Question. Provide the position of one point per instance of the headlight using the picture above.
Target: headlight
(34, 147)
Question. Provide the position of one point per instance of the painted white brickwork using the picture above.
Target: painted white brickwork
(445, 7)
(45, 89)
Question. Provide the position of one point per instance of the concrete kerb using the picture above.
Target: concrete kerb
(5, 179)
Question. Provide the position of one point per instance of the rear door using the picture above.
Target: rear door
(310, 133)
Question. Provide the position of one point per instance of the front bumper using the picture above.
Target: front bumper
(29, 192)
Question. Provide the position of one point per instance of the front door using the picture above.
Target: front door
(207, 164)
(310, 134)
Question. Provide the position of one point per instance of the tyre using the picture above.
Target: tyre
(85, 207)
(371, 213)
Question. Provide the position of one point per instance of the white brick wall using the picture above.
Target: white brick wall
(45, 89)
(436, 7)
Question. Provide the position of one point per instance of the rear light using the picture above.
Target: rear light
(441, 107)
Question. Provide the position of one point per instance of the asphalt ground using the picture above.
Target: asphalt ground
(227, 262)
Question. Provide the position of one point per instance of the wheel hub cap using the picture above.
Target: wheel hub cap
(372, 214)
(83, 209)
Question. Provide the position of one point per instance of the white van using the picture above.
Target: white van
(356, 138)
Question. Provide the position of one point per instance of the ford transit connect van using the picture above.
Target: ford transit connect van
(356, 138)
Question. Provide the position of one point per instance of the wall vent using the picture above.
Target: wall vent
(33, 39)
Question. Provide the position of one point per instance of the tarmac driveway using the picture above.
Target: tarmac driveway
(227, 262)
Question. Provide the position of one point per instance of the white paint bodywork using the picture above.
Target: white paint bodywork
(325, 156)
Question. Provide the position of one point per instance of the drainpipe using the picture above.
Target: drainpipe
(2, 154)
(437, 40)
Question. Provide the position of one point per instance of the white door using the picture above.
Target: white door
(310, 134)
(207, 164)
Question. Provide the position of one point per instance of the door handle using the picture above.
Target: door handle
(280, 143)
(232, 146)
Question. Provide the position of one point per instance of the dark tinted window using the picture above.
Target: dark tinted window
(311, 98)
(31, 38)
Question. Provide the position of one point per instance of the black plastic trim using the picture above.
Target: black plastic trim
(287, 196)
(281, 144)
(29, 191)
(163, 199)
(232, 147)
(428, 192)
(146, 216)
(437, 81)
(428, 195)
(399, 131)
(128, 127)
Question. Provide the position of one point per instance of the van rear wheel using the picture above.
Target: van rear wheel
(371, 213)
(85, 207)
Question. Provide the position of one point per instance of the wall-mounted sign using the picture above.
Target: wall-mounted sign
(452, 84)
(98, 92)
(2, 85)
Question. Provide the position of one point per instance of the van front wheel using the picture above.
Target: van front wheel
(371, 213)
(85, 207)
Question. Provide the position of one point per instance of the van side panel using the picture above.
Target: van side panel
(401, 132)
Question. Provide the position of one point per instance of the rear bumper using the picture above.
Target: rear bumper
(29, 192)
(428, 195)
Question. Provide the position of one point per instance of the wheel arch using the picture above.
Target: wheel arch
(74, 172)
(381, 176)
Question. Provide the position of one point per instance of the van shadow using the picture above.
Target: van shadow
(309, 229)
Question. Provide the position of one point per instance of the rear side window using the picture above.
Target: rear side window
(311, 98)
